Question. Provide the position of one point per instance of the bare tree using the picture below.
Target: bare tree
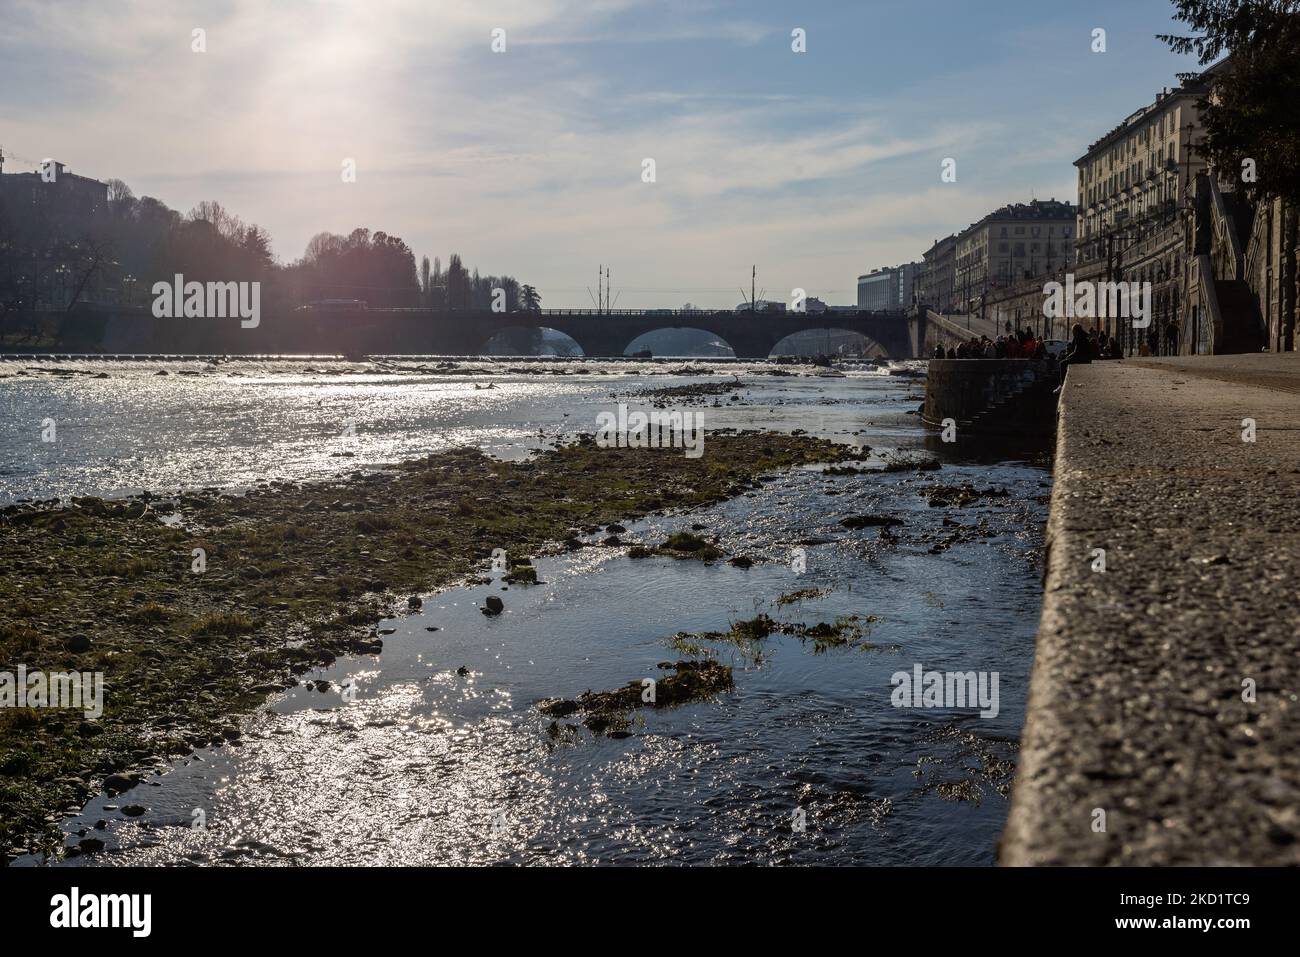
(86, 259)
(118, 192)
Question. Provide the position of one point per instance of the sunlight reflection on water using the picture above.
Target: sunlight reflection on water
(427, 765)
(239, 422)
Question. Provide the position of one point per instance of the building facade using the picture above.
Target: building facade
(1241, 269)
(68, 202)
(1132, 180)
(52, 245)
(938, 276)
(1271, 267)
(888, 289)
(1224, 271)
(1011, 244)
(1137, 188)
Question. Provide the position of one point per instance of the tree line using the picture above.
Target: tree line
(53, 255)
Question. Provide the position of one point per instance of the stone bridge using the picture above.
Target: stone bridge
(422, 331)
(750, 335)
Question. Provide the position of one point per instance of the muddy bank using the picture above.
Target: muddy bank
(294, 576)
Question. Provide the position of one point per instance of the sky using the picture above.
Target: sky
(816, 166)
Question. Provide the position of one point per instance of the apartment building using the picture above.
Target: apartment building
(889, 288)
(938, 275)
(1017, 242)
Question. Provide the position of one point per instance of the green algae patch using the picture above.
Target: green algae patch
(686, 546)
(847, 631)
(607, 712)
(294, 575)
(685, 643)
(803, 594)
(748, 635)
(521, 573)
(752, 629)
(222, 623)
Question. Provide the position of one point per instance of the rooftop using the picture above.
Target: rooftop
(1195, 88)
(1042, 209)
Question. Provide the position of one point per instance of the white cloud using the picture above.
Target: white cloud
(527, 162)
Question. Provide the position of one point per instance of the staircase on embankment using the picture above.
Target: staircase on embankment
(1239, 308)
(1225, 313)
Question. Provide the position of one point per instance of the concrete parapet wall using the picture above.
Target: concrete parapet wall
(962, 388)
(1163, 719)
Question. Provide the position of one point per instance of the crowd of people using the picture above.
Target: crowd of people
(1020, 345)
(1084, 346)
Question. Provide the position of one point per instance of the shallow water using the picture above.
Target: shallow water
(234, 423)
(418, 764)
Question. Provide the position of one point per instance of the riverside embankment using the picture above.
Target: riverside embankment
(1161, 724)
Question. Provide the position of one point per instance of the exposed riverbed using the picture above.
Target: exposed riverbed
(435, 751)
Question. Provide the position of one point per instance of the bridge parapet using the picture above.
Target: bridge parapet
(422, 331)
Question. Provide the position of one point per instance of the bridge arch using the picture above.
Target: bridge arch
(671, 340)
(531, 340)
(828, 340)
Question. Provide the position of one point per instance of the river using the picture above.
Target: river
(434, 752)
